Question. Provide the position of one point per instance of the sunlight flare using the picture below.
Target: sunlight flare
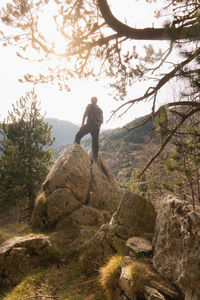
(48, 27)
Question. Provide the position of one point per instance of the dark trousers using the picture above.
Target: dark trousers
(93, 129)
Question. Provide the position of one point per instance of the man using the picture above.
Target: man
(94, 116)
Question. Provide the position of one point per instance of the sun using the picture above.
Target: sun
(47, 27)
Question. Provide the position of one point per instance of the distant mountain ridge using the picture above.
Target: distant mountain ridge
(63, 131)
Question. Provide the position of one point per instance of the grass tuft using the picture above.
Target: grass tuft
(40, 212)
(139, 275)
(109, 275)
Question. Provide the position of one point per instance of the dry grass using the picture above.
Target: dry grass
(56, 278)
(58, 281)
(139, 275)
(14, 229)
(109, 275)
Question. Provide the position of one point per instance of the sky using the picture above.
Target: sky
(70, 106)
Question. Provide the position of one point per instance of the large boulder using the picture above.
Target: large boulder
(18, 254)
(135, 216)
(104, 194)
(70, 172)
(75, 190)
(176, 245)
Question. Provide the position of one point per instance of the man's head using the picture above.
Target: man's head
(94, 100)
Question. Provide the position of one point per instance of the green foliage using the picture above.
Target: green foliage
(135, 184)
(161, 122)
(170, 164)
(75, 278)
(25, 289)
(165, 185)
(55, 275)
(182, 161)
(26, 157)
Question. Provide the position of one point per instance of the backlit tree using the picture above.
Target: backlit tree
(97, 44)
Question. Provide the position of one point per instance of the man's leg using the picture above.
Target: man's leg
(82, 131)
(94, 130)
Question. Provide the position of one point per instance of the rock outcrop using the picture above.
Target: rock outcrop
(176, 246)
(135, 216)
(18, 254)
(76, 191)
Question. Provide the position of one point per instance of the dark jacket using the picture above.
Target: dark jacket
(94, 114)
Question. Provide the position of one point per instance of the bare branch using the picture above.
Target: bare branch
(165, 57)
(185, 117)
(160, 84)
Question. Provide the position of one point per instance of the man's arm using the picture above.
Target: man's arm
(85, 116)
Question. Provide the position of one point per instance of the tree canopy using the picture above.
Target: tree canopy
(97, 44)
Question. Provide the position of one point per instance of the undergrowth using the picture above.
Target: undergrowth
(59, 276)
(63, 281)
(11, 230)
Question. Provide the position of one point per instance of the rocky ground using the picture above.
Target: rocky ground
(82, 219)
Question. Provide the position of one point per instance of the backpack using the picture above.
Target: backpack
(95, 114)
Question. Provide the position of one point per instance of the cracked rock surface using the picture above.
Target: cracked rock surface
(135, 216)
(76, 191)
(177, 245)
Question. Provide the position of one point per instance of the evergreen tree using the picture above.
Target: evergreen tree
(182, 160)
(26, 157)
(185, 161)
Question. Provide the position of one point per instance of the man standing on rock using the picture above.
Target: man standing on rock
(94, 116)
